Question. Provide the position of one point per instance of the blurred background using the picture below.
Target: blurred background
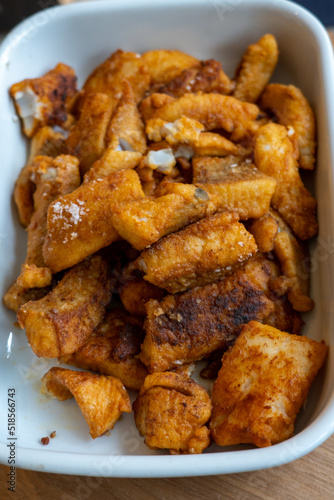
(14, 11)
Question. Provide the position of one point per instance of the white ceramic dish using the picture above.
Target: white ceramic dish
(82, 35)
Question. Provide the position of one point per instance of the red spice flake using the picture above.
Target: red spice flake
(45, 440)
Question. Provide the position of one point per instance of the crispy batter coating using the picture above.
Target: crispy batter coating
(108, 78)
(79, 224)
(44, 101)
(126, 129)
(255, 69)
(292, 109)
(264, 230)
(294, 258)
(199, 254)
(273, 155)
(142, 222)
(165, 65)
(17, 296)
(136, 292)
(239, 187)
(207, 76)
(188, 327)
(212, 110)
(113, 348)
(112, 161)
(152, 103)
(46, 142)
(102, 400)
(171, 412)
(53, 178)
(263, 383)
(61, 322)
(87, 138)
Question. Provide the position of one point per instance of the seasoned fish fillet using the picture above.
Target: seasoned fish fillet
(165, 65)
(61, 322)
(112, 161)
(171, 412)
(188, 327)
(112, 349)
(102, 400)
(263, 383)
(199, 254)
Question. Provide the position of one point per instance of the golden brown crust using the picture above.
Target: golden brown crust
(292, 110)
(113, 348)
(255, 69)
(61, 322)
(273, 155)
(263, 382)
(136, 292)
(188, 327)
(171, 411)
(199, 254)
(17, 296)
(165, 65)
(264, 231)
(112, 161)
(101, 399)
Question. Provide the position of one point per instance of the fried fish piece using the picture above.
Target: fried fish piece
(112, 161)
(171, 412)
(207, 76)
(263, 383)
(142, 222)
(188, 327)
(79, 224)
(113, 348)
(264, 230)
(240, 186)
(61, 322)
(46, 142)
(109, 76)
(136, 292)
(273, 155)
(152, 103)
(294, 258)
(214, 111)
(45, 100)
(199, 254)
(17, 295)
(87, 138)
(255, 69)
(102, 400)
(291, 108)
(165, 65)
(53, 178)
(126, 129)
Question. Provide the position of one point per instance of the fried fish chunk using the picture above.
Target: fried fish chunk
(17, 295)
(273, 155)
(79, 224)
(255, 69)
(61, 322)
(45, 100)
(112, 161)
(126, 129)
(199, 254)
(171, 412)
(239, 187)
(292, 109)
(293, 257)
(112, 349)
(263, 383)
(207, 76)
(264, 230)
(142, 222)
(136, 292)
(53, 178)
(109, 76)
(214, 111)
(46, 142)
(87, 138)
(102, 400)
(165, 65)
(188, 327)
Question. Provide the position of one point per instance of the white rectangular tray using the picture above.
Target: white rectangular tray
(83, 35)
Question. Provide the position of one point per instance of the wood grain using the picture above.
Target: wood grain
(308, 478)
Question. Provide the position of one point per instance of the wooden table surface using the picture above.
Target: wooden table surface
(310, 477)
